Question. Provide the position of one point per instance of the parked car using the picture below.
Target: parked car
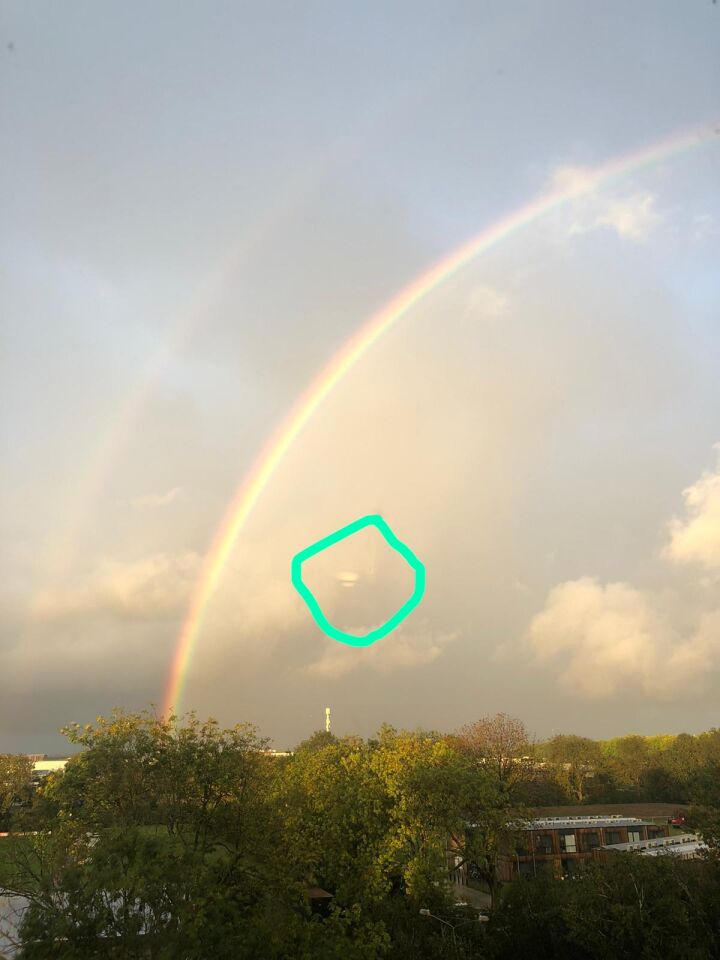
(677, 819)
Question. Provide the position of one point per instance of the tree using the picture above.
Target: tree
(335, 818)
(191, 777)
(705, 811)
(628, 758)
(161, 839)
(491, 834)
(315, 742)
(541, 788)
(15, 781)
(176, 838)
(574, 759)
(372, 822)
(501, 772)
(630, 908)
(500, 743)
(682, 758)
(428, 787)
(658, 783)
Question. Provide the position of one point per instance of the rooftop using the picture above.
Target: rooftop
(683, 845)
(568, 823)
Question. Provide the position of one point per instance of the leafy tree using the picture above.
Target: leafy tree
(499, 743)
(628, 758)
(705, 812)
(574, 759)
(630, 908)
(372, 822)
(335, 820)
(541, 788)
(127, 896)
(682, 758)
(194, 779)
(15, 782)
(164, 843)
(175, 838)
(318, 740)
(429, 787)
(658, 783)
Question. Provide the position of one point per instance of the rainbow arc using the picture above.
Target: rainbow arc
(270, 458)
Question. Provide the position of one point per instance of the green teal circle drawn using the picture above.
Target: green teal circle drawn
(371, 520)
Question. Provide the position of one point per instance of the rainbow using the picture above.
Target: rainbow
(369, 333)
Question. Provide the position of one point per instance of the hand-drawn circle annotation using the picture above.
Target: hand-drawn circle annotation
(372, 520)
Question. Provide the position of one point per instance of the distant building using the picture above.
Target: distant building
(42, 768)
(558, 844)
(685, 846)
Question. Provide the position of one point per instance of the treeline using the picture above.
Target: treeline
(669, 768)
(566, 769)
(180, 840)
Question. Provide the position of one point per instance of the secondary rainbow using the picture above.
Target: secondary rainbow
(369, 333)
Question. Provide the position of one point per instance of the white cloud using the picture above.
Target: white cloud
(695, 538)
(152, 587)
(612, 638)
(600, 636)
(157, 499)
(400, 650)
(486, 302)
(606, 638)
(574, 180)
(689, 663)
(632, 217)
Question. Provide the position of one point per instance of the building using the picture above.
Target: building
(42, 768)
(685, 846)
(558, 844)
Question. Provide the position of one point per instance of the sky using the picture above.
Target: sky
(202, 203)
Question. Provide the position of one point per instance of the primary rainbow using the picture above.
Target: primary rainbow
(272, 455)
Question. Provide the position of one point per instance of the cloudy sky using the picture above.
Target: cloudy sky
(202, 203)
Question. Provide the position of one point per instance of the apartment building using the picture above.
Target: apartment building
(558, 844)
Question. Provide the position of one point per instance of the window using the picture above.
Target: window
(567, 842)
(590, 840)
(543, 843)
(633, 836)
(613, 836)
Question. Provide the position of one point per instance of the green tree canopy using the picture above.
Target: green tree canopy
(15, 781)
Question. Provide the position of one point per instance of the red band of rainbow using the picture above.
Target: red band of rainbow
(272, 455)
